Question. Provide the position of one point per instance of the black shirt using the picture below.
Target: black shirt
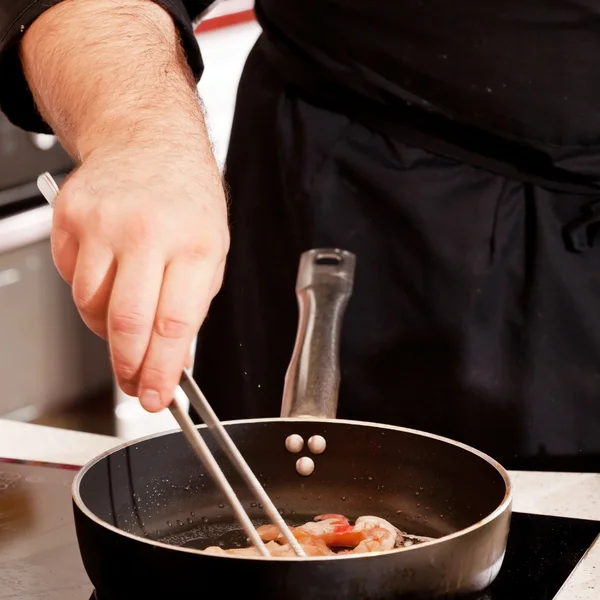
(17, 15)
(526, 70)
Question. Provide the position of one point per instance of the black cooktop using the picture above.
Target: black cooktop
(39, 557)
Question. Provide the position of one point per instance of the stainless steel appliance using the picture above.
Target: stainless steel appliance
(47, 355)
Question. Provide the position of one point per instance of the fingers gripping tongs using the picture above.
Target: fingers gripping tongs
(49, 190)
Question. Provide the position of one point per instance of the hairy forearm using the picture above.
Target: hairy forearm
(106, 72)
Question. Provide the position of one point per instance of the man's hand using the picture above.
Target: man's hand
(144, 265)
(140, 228)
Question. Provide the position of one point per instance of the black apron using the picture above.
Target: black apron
(476, 307)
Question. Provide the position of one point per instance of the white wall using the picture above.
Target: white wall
(224, 52)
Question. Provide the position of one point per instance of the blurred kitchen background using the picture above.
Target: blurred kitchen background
(53, 370)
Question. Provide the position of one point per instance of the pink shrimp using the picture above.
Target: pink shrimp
(325, 533)
(333, 530)
(379, 535)
(311, 548)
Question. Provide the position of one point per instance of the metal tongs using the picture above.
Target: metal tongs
(49, 189)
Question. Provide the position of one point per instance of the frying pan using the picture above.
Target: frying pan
(145, 510)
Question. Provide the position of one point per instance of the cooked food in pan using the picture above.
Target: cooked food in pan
(331, 534)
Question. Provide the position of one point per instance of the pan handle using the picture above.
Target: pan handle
(323, 288)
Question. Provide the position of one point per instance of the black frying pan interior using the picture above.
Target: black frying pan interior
(157, 488)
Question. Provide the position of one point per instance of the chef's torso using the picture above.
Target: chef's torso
(528, 70)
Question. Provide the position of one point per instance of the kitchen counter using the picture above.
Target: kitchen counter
(50, 444)
(562, 494)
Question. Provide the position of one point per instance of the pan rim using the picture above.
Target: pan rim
(500, 509)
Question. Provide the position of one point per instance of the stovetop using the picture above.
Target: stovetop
(39, 557)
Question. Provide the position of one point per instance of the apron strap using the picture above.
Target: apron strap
(416, 126)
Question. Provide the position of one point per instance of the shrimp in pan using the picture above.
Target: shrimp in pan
(379, 535)
(310, 547)
(326, 535)
(333, 530)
